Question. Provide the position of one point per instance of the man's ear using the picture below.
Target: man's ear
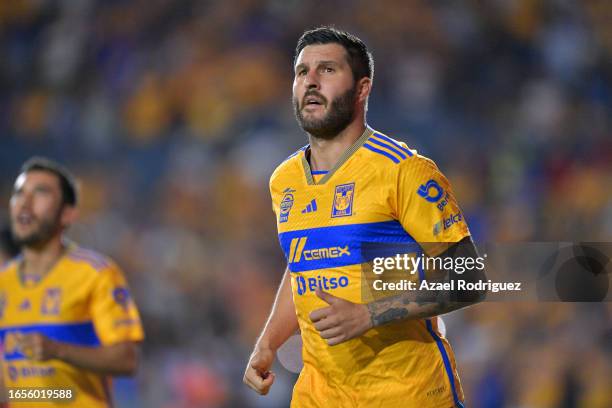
(364, 87)
(69, 215)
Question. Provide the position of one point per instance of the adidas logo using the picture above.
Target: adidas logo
(312, 207)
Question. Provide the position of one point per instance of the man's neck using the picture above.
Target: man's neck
(325, 153)
(37, 261)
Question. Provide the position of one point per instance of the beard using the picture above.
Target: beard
(340, 115)
(47, 228)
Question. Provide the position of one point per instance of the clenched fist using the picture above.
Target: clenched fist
(257, 374)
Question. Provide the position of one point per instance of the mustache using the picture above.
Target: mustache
(313, 93)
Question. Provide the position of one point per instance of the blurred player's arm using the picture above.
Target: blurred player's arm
(343, 320)
(116, 359)
(281, 324)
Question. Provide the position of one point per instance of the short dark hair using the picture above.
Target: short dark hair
(359, 58)
(67, 181)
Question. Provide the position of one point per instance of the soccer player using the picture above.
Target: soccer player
(67, 321)
(352, 186)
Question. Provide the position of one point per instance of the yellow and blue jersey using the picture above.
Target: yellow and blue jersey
(330, 223)
(83, 300)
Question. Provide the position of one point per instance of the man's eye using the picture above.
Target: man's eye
(302, 72)
(328, 69)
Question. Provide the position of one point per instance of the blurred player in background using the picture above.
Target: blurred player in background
(67, 321)
(351, 185)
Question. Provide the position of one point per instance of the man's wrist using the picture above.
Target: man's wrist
(264, 345)
(370, 309)
(368, 317)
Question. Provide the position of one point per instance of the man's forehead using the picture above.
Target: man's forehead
(36, 176)
(315, 53)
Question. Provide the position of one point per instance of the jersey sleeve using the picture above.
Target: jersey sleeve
(273, 197)
(427, 208)
(115, 316)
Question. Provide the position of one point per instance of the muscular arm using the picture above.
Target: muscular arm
(342, 320)
(425, 304)
(281, 324)
(116, 359)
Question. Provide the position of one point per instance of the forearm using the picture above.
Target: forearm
(430, 303)
(282, 322)
(118, 359)
(405, 307)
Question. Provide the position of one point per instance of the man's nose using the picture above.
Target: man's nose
(312, 80)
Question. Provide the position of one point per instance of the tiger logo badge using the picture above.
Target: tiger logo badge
(343, 200)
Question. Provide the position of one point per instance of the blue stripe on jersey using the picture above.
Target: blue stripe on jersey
(94, 259)
(375, 150)
(81, 334)
(386, 146)
(393, 142)
(297, 152)
(446, 360)
(317, 172)
(343, 245)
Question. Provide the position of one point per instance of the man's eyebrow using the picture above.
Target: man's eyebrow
(322, 62)
(328, 62)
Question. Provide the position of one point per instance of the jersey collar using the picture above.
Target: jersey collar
(345, 156)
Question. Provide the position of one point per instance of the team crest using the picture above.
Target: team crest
(343, 200)
(286, 205)
(51, 301)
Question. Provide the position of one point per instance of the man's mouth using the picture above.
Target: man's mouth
(25, 218)
(312, 101)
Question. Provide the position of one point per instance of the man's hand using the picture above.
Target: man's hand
(36, 346)
(341, 320)
(257, 374)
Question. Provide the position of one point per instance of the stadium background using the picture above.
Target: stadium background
(174, 113)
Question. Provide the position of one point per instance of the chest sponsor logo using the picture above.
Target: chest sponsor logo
(310, 284)
(343, 200)
(297, 251)
(286, 205)
(30, 371)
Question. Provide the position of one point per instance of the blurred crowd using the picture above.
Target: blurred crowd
(173, 114)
